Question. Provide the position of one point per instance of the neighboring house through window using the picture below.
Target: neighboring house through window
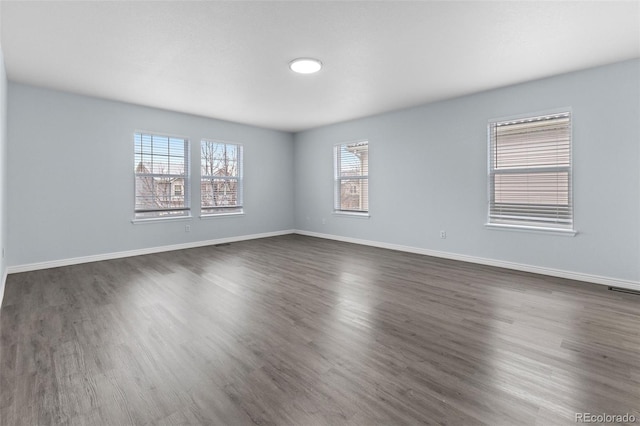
(221, 177)
(530, 176)
(351, 177)
(161, 168)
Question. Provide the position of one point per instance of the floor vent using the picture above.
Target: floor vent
(625, 290)
(228, 244)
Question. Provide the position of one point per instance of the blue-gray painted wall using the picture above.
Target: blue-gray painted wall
(3, 171)
(70, 184)
(428, 172)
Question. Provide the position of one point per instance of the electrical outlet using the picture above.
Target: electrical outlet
(187, 228)
(324, 221)
(443, 234)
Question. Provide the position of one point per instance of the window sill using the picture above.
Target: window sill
(220, 215)
(161, 219)
(531, 229)
(352, 214)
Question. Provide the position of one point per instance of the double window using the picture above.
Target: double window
(162, 187)
(161, 167)
(221, 178)
(530, 175)
(351, 177)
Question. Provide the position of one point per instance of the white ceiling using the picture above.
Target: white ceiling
(229, 60)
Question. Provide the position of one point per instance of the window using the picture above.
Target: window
(351, 175)
(530, 172)
(161, 165)
(221, 178)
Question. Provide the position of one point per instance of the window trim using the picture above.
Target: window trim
(221, 215)
(337, 179)
(239, 179)
(531, 229)
(350, 213)
(568, 230)
(186, 183)
(161, 219)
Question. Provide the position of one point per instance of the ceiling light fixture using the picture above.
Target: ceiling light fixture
(305, 65)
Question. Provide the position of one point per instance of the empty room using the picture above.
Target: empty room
(319, 212)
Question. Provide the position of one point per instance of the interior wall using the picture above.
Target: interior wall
(428, 172)
(71, 180)
(3, 173)
(71, 186)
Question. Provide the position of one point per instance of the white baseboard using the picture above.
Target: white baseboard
(2, 286)
(612, 282)
(117, 255)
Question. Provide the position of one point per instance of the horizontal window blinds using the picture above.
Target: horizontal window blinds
(161, 168)
(351, 177)
(530, 172)
(221, 177)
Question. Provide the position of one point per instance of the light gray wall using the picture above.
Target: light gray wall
(71, 185)
(428, 172)
(3, 171)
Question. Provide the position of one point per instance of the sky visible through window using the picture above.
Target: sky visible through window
(160, 154)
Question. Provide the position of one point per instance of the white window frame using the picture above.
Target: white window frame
(523, 222)
(238, 208)
(337, 179)
(161, 214)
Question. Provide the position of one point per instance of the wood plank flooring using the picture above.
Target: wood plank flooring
(296, 330)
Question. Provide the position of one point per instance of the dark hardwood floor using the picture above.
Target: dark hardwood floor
(296, 330)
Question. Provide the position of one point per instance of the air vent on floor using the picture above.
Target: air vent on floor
(228, 244)
(625, 290)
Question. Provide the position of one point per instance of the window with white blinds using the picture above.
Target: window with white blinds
(161, 168)
(221, 178)
(530, 172)
(351, 177)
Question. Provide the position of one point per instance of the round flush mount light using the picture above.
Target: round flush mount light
(305, 65)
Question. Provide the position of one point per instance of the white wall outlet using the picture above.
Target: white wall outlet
(443, 234)
(187, 228)
(324, 221)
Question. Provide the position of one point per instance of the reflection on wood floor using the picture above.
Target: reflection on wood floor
(296, 330)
